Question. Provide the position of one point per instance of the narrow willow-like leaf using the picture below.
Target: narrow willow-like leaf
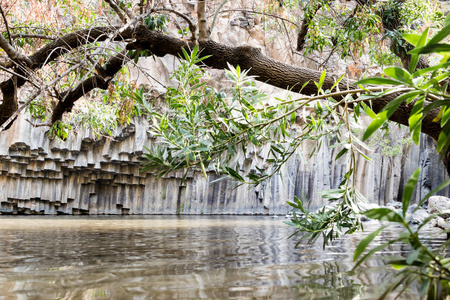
(375, 124)
(234, 174)
(431, 48)
(342, 152)
(443, 139)
(379, 81)
(368, 110)
(322, 79)
(399, 74)
(434, 81)
(365, 242)
(445, 115)
(415, 57)
(442, 34)
(337, 82)
(431, 69)
(412, 38)
(383, 214)
(415, 120)
(409, 190)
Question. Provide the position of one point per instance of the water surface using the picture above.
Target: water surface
(178, 257)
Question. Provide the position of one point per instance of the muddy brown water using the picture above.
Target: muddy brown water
(179, 257)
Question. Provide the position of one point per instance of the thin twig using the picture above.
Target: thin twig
(191, 25)
(6, 24)
(117, 10)
(33, 36)
(38, 125)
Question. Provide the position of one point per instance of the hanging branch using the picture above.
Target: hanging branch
(68, 98)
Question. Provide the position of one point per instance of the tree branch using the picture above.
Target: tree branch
(13, 54)
(202, 25)
(70, 96)
(270, 71)
(6, 24)
(307, 18)
(32, 36)
(260, 13)
(192, 27)
(52, 51)
(117, 10)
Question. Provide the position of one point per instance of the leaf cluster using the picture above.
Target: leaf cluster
(426, 89)
(424, 264)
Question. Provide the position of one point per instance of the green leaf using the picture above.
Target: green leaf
(293, 118)
(322, 79)
(400, 74)
(412, 38)
(415, 120)
(298, 204)
(415, 58)
(442, 34)
(433, 48)
(383, 214)
(368, 110)
(365, 242)
(337, 82)
(409, 190)
(332, 194)
(431, 69)
(443, 139)
(379, 81)
(342, 152)
(375, 124)
(445, 115)
(234, 174)
(416, 133)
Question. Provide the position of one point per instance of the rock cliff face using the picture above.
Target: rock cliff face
(83, 176)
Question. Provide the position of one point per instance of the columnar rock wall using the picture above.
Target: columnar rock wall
(83, 176)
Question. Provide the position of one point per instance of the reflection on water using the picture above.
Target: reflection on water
(167, 257)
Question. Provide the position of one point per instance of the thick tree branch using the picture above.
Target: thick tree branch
(269, 71)
(49, 53)
(69, 97)
(266, 69)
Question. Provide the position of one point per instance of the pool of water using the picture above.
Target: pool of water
(179, 257)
